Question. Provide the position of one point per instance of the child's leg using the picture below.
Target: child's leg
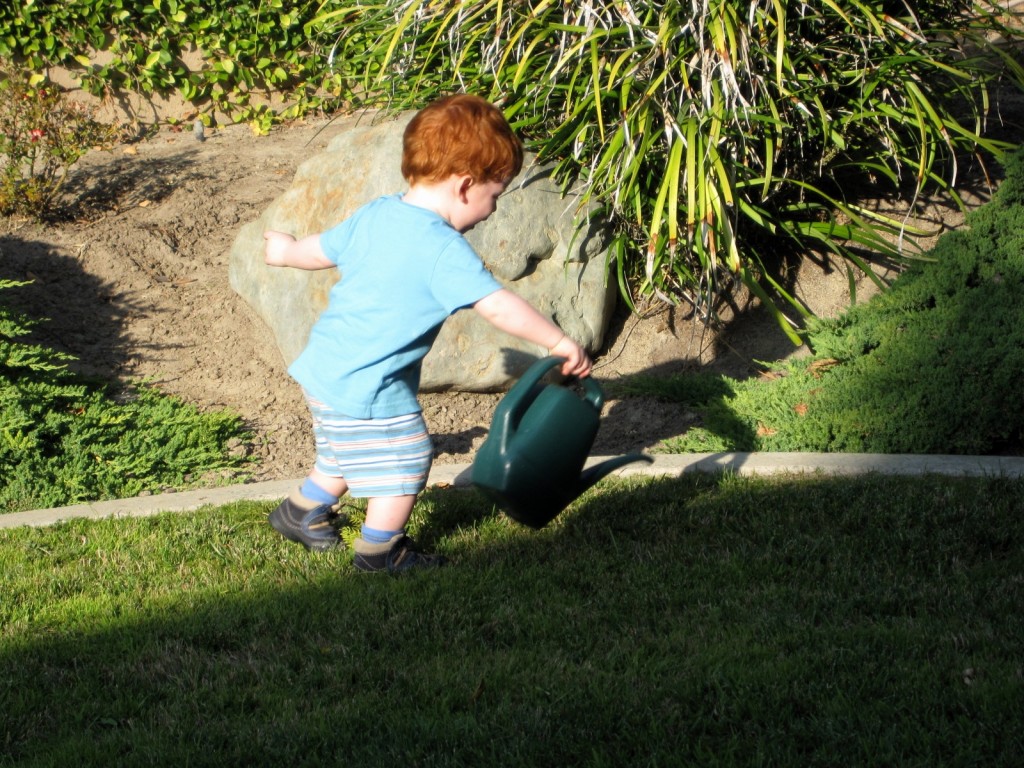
(329, 484)
(385, 461)
(306, 516)
(382, 544)
(389, 513)
(325, 483)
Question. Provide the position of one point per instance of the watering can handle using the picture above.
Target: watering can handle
(511, 418)
(592, 391)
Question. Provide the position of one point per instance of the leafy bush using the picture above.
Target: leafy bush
(245, 48)
(64, 440)
(931, 366)
(42, 134)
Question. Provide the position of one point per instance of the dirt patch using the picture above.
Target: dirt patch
(135, 285)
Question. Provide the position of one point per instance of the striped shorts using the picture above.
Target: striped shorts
(377, 457)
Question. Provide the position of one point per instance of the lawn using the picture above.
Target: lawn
(706, 620)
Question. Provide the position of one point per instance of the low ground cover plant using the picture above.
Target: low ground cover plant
(931, 366)
(709, 620)
(65, 439)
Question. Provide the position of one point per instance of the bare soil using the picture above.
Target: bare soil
(134, 283)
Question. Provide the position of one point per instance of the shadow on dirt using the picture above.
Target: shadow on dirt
(81, 313)
(91, 331)
(118, 182)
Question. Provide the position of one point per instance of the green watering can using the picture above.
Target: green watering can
(531, 464)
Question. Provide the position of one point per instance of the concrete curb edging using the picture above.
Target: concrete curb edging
(458, 475)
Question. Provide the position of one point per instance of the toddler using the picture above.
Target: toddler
(405, 267)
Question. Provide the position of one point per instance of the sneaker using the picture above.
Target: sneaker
(312, 528)
(394, 556)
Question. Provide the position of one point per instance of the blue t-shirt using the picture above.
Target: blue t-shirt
(404, 270)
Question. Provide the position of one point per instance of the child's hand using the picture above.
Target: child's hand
(577, 362)
(277, 245)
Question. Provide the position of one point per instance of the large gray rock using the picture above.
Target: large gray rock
(532, 244)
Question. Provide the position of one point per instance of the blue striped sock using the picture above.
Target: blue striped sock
(314, 492)
(377, 536)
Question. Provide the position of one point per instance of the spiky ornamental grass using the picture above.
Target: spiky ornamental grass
(718, 133)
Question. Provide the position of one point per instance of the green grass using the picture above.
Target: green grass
(709, 620)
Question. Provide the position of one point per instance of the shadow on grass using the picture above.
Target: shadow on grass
(704, 620)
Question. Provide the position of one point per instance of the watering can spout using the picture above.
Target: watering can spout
(591, 475)
(532, 462)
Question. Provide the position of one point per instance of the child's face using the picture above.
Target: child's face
(479, 200)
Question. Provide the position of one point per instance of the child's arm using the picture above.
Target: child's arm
(512, 314)
(283, 250)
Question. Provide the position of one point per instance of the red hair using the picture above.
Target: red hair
(458, 135)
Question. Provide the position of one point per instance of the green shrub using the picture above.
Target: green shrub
(65, 440)
(932, 366)
(245, 49)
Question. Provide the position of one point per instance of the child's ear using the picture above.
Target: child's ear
(465, 182)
